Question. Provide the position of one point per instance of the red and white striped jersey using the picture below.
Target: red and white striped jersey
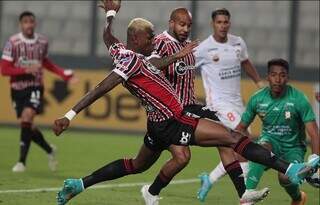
(25, 52)
(181, 74)
(147, 83)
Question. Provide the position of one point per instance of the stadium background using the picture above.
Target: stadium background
(287, 29)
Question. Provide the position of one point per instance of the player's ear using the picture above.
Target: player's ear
(171, 24)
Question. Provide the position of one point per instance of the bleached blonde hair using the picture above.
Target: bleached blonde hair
(138, 24)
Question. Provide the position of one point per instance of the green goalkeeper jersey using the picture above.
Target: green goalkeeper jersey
(282, 118)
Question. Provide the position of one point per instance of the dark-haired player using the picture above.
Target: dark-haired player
(286, 114)
(181, 75)
(221, 58)
(24, 57)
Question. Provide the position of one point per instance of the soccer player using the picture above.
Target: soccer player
(181, 75)
(220, 58)
(285, 114)
(24, 57)
(166, 124)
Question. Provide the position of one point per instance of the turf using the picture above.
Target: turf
(79, 153)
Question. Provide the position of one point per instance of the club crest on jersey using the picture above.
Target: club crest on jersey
(181, 67)
(287, 115)
(215, 58)
(238, 53)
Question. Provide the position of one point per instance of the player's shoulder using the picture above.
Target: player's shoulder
(206, 43)
(120, 52)
(163, 37)
(235, 39)
(15, 38)
(261, 92)
(42, 38)
(295, 93)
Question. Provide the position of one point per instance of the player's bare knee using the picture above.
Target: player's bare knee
(27, 115)
(182, 158)
(235, 137)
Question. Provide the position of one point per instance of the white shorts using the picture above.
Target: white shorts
(229, 114)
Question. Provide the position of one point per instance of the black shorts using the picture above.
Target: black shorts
(180, 131)
(200, 111)
(30, 97)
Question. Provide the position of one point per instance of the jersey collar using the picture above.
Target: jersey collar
(170, 37)
(27, 40)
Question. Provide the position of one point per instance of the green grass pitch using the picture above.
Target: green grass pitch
(80, 153)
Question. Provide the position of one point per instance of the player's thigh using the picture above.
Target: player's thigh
(209, 133)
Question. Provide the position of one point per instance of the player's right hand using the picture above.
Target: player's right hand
(60, 125)
(189, 48)
(108, 5)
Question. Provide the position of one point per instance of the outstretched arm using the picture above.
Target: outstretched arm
(163, 63)
(111, 81)
(64, 74)
(110, 8)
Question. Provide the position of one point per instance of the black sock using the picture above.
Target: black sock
(159, 183)
(25, 140)
(259, 154)
(38, 138)
(113, 170)
(236, 175)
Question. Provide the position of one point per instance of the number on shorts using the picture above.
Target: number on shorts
(231, 117)
(35, 97)
(185, 138)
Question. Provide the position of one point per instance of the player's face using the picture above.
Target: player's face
(278, 78)
(181, 26)
(221, 25)
(145, 41)
(27, 25)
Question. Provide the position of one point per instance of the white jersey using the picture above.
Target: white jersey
(220, 65)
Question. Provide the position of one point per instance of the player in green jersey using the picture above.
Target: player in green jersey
(285, 114)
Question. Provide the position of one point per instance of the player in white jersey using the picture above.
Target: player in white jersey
(221, 57)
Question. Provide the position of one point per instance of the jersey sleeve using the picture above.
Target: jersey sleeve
(8, 51)
(305, 110)
(250, 112)
(199, 57)
(244, 50)
(160, 49)
(126, 62)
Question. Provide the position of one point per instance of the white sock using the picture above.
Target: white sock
(217, 173)
(245, 169)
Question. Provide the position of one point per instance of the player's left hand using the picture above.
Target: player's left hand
(60, 125)
(187, 49)
(108, 5)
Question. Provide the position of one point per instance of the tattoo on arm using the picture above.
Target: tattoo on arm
(162, 63)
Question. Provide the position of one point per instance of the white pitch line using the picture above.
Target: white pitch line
(104, 186)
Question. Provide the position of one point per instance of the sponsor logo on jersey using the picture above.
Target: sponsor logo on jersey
(181, 67)
(215, 58)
